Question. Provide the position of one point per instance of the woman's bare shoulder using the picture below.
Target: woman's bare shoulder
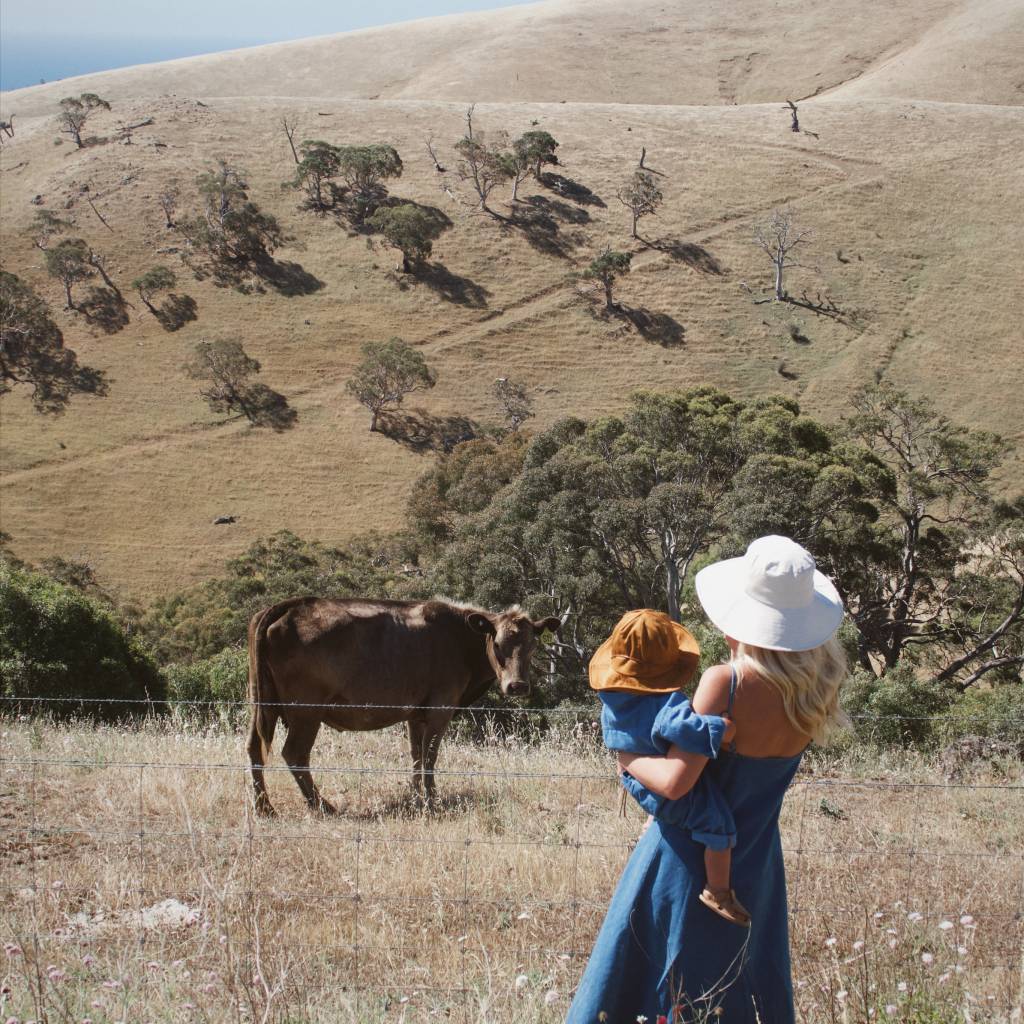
(712, 694)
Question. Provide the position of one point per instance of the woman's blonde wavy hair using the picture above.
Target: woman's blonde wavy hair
(807, 681)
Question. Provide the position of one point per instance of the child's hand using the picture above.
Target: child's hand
(730, 729)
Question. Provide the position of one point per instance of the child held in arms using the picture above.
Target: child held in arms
(639, 673)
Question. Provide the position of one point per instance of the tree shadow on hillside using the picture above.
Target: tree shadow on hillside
(421, 431)
(287, 278)
(694, 256)
(106, 309)
(176, 311)
(658, 328)
(265, 407)
(540, 220)
(569, 189)
(825, 307)
(449, 286)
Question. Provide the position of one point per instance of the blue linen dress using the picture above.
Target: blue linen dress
(650, 724)
(660, 951)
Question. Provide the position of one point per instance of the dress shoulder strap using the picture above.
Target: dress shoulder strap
(733, 680)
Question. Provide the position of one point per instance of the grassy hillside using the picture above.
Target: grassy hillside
(913, 203)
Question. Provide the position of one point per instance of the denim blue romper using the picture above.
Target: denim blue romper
(650, 724)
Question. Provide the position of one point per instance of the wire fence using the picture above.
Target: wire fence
(139, 884)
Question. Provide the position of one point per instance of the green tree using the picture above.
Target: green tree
(641, 196)
(69, 262)
(365, 169)
(934, 502)
(62, 646)
(606, 268)
(390, 370)
(320, 162)
(32, 351)
(515, 401)
(156, 279)
(226, 369)
(619, 512)
(407, 228)
(76, 110)
(517, 164)
(539, 148)
(231, 228)
(461, 483)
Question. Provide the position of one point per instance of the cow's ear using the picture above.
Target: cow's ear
(551, 624)
(481, 623)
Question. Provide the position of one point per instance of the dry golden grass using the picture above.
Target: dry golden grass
(910, 186)
(910, 241)
(483, 911)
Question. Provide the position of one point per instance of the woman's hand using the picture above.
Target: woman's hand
(671, 776)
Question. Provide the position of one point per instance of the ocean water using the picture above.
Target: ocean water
(31, 59)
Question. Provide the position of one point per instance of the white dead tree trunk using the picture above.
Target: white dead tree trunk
(779, 237)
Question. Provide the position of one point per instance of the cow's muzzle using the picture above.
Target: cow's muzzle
(517, 688)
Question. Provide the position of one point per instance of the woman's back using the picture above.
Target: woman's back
(763, 728)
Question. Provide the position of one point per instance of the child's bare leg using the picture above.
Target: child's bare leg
(718, 894)
(717, 868)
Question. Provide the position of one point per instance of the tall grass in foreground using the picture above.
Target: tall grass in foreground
(136, 886)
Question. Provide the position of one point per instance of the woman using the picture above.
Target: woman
(660, 951)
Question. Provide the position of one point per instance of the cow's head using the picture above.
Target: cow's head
(511, 638)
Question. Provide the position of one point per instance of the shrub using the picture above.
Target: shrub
(217, 684)
(899, 709)
(59, 643)
(996, 713)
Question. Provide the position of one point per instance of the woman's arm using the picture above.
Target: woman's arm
(675, 774)
(671, 776)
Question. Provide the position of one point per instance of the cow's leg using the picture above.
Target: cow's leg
(417, 731)
(257, 757)
(433, 731)
(297, 747)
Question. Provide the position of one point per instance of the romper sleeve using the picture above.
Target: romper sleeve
(677, 723)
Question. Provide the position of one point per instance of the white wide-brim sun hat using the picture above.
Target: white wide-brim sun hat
(771, 597)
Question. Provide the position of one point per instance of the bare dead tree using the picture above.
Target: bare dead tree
(795, 126)
(290, 125)
(124, 131)
(168, 200)
(643, 157)
(433, 155)
(102, 219)
(779, 237)
(6, 129)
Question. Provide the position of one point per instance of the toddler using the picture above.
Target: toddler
(639, 672)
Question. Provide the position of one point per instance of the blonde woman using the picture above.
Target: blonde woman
(661, 952)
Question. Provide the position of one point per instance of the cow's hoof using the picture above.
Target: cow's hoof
(264, 809)
(327, 810)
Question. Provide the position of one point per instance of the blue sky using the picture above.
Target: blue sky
(50, 39)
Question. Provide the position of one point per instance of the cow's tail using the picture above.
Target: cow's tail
(262, 691)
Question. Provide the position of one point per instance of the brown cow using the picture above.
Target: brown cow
(370, 664)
